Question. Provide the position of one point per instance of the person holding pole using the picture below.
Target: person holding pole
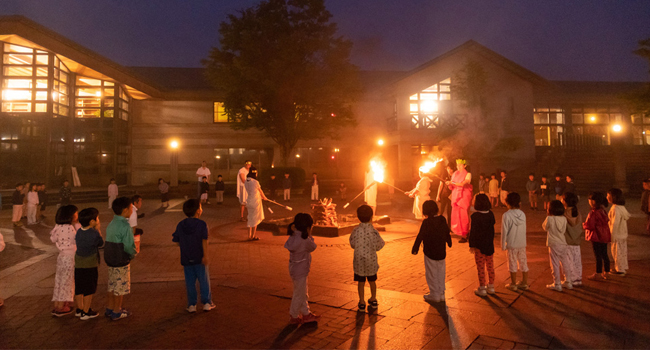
(421, 194)
(241, 190)
(255, 196)
(461, 198)
(370, 194)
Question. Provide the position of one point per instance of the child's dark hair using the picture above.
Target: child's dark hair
(112, 179)
(303, 222)
(482, 202)
(18, 184)
(87, 215)
(513, 199)
(531, 174)
(364, 213)
(135, 198)
(600, 201)
(556, 208)
(160, 179)
(571, 200)
(191, 206)
(493, 174)
(219, 175)
(482, 174)
(544, 176)
(204, 178)
(558, 175)
(429, 208)
(119, 204)
(252, 173)
(617, 196)
(65, 214)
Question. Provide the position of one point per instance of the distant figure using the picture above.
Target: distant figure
(558, 187)
(191, 235)
(343, 191)
(434, 236)
(618, 217)
(483, 184)
(32, 205)
(273, 187)
(300, 245)
(461, 198)
(17, 200)
(420, 194)
(645, 203)
(42, 198)
(504, 187)
(532, 187)
(200, 173)
(513, 241)
(219, 187)
(65, 194)
(163, 187)
(493, 190)
(241, 190)
(370, 195)
(205, 191)
(366, 241)
(481, 244)
(545, 192)
(597, 232)
(112, 193)
(255, 196)
(286, 186)
(314, 187)
(555, 226)
(569, 186)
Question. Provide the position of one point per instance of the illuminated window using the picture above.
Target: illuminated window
(220, 115)
(640, 129)
(549, 126)
(424, 105)
(592, 123)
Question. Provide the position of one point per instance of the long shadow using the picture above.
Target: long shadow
(21, 237)
(360, 320)
(152, 214)
(292, 334)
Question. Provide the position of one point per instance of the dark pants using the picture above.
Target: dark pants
(198, 190)
(445, 206)
(197, 272)
(600, 251)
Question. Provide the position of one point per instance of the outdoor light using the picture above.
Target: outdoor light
(617, 127)
(592, 118)
(332, 157)
(336, 150)
(173, 144)
(98, 94)
(218, 157)
(103, 154)
(297, 155)
(380, 142)
(429, 106)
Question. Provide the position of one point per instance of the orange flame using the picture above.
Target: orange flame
(378, 168)
(430, 165)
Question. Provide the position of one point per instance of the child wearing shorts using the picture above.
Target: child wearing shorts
(513, 241)
(366, 241)
(86, 261)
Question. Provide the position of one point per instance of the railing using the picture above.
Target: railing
(574, 141)
(443, 121)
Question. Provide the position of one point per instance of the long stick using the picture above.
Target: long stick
(357, 196)
(395, 187)
(283, 206)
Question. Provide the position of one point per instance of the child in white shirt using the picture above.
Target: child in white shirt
(618, 217)
(555, 226)
(112, 193)
(32, 205)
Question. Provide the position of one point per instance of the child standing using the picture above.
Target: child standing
(366, 241)
(219, 187)
(163, 187)
(513, 241)
(597, 232)
(17, 200)
(286, 186)
(65, 193)
(545, 192)
(86, 261)
(569, 186)
(434, 235)
(112, 193)
(42, 199)
(618, 217)
(32, 205)
(192, 237)
(532, 187)
(493, 190)
(300, 245)
(119, 250)
(314, 187)
(205, 189)
(484, 184)
(481, 243)
(63, 236)
(555, 227)
(574, 236)
(343, 191)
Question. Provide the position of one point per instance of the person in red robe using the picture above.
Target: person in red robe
(461, 199)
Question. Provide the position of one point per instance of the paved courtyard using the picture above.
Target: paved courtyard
(252, 289)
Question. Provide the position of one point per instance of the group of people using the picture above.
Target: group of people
(28, 201)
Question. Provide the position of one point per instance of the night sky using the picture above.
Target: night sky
(560, 40)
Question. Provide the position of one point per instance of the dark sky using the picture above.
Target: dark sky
(560, 40)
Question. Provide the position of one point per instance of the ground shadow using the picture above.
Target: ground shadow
(292, 334)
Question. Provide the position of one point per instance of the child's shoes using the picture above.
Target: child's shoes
(522, 286)
(512, 287)
(191, 309)
(209, 306)
(481, 291)
(490, 289)
(567, 284)
(310, 318)
(555, 287)
(295, 320)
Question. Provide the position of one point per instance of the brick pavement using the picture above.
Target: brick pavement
(252, 291)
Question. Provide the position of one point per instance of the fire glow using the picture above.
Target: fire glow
(430, 165)
(377, 168)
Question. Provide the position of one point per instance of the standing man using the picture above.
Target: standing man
(370, 195)
(241, 190)
(504, 187)
(444, 193)
(201, 172)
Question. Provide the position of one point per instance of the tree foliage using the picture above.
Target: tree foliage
(284, 71)
(640, 100)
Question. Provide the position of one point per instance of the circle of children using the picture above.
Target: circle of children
(78, 238)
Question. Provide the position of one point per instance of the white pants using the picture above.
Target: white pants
(619, 253)
(435, 273)
(517, 260)
(503, 195)
(31, 214)
(110, 201)
(314, 193)
(559, 258)
(299, 301)
(287, 194)
(575, 260)
(17, 213)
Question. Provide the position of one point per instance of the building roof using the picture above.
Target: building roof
(175, 78)
(598, 87)
(20, 30)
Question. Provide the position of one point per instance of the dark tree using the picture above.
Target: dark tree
(283, 70)
(640, 100)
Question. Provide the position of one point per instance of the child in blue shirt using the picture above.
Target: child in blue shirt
(192, 237)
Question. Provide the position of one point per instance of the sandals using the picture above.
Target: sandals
(373, 304)
(361, 305)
